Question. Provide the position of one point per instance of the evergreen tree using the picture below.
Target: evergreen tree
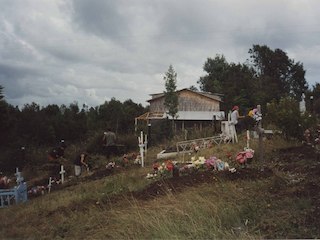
(171, 97)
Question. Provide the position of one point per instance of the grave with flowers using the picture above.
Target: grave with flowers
(169, 168)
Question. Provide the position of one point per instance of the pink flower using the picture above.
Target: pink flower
(211, 162)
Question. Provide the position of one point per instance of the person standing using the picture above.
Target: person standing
(235, 119)
(235, 115)
(79, 162)
(109, 142)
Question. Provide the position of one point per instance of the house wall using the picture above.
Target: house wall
(188, 101)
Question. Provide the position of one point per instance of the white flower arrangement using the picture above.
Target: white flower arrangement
(151, 175)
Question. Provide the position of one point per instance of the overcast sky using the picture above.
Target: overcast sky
(61, 51)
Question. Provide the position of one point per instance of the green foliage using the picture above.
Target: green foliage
(277, 74)
(268, 75)
(171, 97)
(42, 127)
(314, 104)
(216, 69)
(286, 116)
(1, 93)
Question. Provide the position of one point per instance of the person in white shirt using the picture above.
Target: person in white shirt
(235, 115)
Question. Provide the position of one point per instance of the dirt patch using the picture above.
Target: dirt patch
(177, 184)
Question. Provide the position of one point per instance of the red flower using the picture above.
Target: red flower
(169, 165)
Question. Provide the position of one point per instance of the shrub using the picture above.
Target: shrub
(286, 115)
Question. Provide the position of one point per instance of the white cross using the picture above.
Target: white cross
(50, 184)
(141, 146)
(62, 172)
(248, 139)
(18, 176)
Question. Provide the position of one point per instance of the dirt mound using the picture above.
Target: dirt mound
(177, 184)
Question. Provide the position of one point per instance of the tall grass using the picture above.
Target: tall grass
(206, 211)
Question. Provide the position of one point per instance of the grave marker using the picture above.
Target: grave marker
(260, 132)
(141, 146)
(19, 178)
(49, 185)
(62, 172)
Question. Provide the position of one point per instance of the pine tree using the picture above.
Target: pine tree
(171, 97)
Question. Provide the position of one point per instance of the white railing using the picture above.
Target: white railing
(201, 143)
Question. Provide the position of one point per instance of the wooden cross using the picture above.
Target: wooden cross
(62, 172)
(141, 146)
(260, 132)
(145, 144)
(18, 176)
(50, 184)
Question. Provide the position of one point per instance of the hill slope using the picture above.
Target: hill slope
(282, 201)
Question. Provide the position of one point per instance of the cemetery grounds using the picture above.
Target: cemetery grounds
(276, 198)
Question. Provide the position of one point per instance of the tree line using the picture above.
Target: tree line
(47, 125)
(267, 75)
(266, 78)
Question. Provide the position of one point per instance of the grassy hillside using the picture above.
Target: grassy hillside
(279, 202)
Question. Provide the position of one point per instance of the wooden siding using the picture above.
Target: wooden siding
(187, 101)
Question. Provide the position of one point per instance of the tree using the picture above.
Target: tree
(237, 86)
(115, 111)
(277, 75)
(171, 98)
(285, 115)
(3, 117)
(1, 94)
(270, 74)
(170, 95)
(233, 81)
(130, 110)
(216, 69)
(315, 102)
(193, 88)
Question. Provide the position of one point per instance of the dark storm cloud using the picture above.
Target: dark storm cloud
(103, 18)
(92, 50)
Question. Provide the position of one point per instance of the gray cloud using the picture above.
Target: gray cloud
(91, 50)
(103, 18)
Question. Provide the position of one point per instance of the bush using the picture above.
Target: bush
(287, 117)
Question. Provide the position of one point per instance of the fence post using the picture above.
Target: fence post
(260, 131)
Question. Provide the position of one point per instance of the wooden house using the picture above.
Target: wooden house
(195, 109)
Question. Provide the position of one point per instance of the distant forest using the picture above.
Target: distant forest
(47, 125)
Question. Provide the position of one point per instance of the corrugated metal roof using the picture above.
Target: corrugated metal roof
(199, 115)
